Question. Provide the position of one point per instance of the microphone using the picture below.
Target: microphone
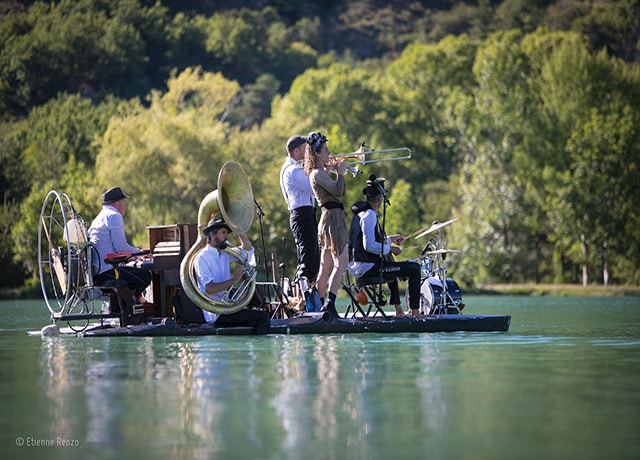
(428, 247)
(373, 182)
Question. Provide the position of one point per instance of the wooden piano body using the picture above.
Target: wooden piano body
(168, 245)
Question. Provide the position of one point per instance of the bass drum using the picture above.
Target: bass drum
(431, 302)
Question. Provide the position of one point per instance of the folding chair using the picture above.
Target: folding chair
(374, 292)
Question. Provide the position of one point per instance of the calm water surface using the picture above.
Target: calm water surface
(563, 383)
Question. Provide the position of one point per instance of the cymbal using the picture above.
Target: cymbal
(443, 251)
(437, 226)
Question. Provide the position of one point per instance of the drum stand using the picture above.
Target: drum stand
(440, 269)
(436, 247)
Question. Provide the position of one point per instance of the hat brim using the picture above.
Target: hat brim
(216, 227)
(371, 191)
(294, 142)
(114, 201)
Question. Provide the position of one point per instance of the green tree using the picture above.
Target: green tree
(601, 88)
(167, 156)
(418, 90)
(75, 46)
(494, 204)
(247, 43)
(338, 95)
(56, 148)
(254, 105)
(597, 199)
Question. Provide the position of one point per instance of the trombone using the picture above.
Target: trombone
(365, 155)
(354, 170)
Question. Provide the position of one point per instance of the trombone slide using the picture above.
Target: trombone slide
(363, 157)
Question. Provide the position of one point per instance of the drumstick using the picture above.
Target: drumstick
(411, 235)
(410, 248)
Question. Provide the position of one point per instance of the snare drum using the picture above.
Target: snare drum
(431, 296)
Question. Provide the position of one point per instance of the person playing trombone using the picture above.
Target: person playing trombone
(332, 228)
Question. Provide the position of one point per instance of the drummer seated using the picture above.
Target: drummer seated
(371, 251)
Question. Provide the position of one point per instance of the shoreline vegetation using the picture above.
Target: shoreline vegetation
(518, 289)
(158, 95)
(557, 290)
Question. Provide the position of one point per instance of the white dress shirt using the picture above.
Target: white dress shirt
(295, 185)
(106, 234)
(214, 265)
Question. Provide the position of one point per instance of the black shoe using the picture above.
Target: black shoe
(331, 308)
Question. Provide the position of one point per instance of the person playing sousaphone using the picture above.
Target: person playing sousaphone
(213, 271)
(370, 248)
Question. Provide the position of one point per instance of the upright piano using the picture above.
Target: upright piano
(168, 244)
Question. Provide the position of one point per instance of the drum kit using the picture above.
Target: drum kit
(438, 294)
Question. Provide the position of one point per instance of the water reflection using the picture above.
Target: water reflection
(430, 383)
(213, 397)
(563, 383)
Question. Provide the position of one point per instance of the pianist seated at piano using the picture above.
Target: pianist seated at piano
(106, 234)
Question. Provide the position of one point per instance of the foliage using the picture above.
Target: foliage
(167, 156)
(522, 118)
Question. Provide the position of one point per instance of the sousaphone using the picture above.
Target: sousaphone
(234, 200)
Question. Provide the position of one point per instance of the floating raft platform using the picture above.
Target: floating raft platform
(304, 324)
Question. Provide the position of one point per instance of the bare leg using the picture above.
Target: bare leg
(326, 267)
(340, 263)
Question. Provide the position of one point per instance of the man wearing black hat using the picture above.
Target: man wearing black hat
(370, 248)
(213, 271)
(106, 234)
(298, 194)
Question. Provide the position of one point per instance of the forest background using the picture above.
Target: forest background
(523, 117)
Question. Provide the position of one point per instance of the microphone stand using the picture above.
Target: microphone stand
(384, 235)
(260, 213)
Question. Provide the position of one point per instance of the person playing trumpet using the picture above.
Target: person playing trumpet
(371, 249)
(332, 228)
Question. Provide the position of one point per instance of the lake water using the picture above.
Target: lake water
(563, 383)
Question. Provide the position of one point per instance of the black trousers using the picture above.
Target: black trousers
(135, 278)
(305, 233)
(391, 271)
(257, 319)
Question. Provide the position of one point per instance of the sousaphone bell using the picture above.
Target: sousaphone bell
(234, 200)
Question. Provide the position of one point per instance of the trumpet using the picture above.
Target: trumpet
(365, 155)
